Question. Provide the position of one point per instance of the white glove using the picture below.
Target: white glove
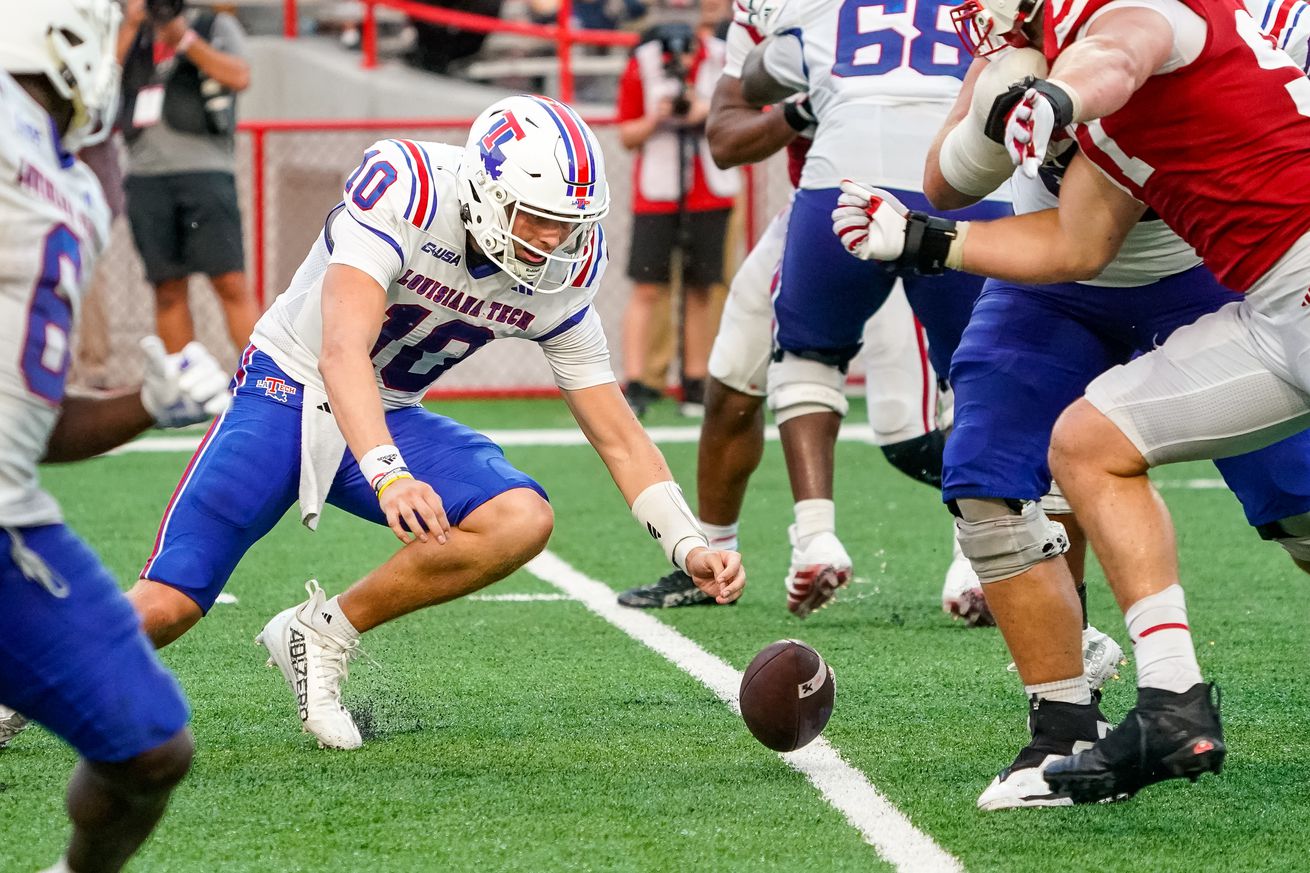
(184, 388)
(870, 222)
(1047, 107)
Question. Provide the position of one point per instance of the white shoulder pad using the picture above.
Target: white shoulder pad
(393, 188)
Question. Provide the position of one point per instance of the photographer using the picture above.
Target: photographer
(681, 200)
(182, 69)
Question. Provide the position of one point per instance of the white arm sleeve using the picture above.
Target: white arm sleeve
(580, 356)
(1287, 22)
(784, 60)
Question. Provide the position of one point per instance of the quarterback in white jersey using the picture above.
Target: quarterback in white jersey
(433, 252)
(73, 657)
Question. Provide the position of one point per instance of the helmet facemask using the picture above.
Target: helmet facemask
(517, 172)
(985, 28)
(83, 69)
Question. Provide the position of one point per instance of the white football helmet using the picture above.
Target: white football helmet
(987, 26)
(71, 43)
(758, 15)
(532, 156)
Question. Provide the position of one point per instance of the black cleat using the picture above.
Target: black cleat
(640, 397)
(1167, 735)
(1058, 729)
(675, 589)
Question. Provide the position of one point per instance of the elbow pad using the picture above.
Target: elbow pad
(971, 163)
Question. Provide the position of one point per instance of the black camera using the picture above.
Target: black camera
(677, 40)
(164, 11)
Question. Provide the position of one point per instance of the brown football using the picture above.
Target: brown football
(786, 695)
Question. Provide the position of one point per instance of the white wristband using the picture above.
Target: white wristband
(381, 466)
(666, 516)
(955, 254)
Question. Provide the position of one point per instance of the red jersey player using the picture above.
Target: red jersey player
(1182, 106)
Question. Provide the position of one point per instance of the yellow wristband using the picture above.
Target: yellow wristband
(392, 480)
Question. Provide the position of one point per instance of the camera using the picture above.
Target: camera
(164, 11)
(677, 40)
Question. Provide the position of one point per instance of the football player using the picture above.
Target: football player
(72, 655)
(1028, 352)
(1186, 108)
(876, 114)
(901, 386)
(434, 251)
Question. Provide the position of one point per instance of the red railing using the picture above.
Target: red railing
(259, 129)
(563, 34)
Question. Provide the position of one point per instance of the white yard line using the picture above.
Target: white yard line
(882, 825)
(517, 598)
(561, 436)
(571, 436)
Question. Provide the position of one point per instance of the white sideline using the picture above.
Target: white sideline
(882, 825)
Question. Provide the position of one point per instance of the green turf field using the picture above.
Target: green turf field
(536, 736)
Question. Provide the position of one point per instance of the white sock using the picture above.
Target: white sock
(1073, 690)
(722, 536)
(1162, 643)
(331, 620)
(813, 517)
(60, 867)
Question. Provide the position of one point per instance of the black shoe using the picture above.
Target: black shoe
(675, 589)
(1058, 729)
(1167, 735)
(640, 396)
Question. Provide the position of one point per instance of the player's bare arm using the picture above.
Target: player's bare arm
(1072, 243)
(1118, 53)
(1068, 244)
(740, 133)
(639, 470)
(89, 426)
(353, 305)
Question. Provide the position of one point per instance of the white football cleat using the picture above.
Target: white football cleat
(962, 593)
(816, 572)
(314, 665)
(1101, 657)
(11, 725)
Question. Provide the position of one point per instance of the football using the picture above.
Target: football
(786, 695)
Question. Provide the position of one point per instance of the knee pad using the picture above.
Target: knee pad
(1292, 533)
(919, 458)
(801, 386)
(1055, 503)
(1003, 538)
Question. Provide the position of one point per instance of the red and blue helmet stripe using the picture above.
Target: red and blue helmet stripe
(577, 148)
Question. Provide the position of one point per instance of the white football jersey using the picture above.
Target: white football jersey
(399, 222)
(54, 223)
(881, 77)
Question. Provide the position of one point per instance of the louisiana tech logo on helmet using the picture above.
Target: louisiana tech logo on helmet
(504, 129)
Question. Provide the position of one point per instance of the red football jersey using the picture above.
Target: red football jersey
(1219, 148)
